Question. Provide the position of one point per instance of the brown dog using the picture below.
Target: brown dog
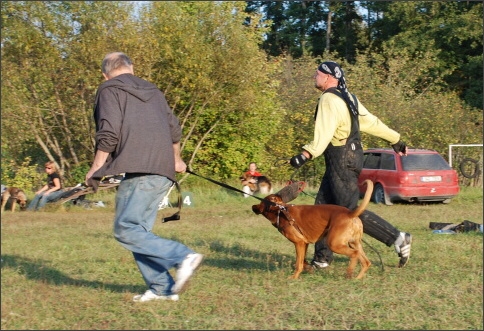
(262, 183)
(306, 224)
(15, 195)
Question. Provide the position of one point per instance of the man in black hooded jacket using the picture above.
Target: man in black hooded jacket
(138, 134)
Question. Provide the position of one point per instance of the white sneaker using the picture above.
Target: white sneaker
(402, 246)
(149, 295)
(185, 271)
(320, 265)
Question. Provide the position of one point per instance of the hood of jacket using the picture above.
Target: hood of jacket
(133, 85)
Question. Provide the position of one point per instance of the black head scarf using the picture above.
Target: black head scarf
(333, 69)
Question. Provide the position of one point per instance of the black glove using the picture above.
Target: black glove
(400, 146)
(298, 160)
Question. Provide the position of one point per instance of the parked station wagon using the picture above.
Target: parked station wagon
(422, 175)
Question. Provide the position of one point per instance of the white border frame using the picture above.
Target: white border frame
(460, 145)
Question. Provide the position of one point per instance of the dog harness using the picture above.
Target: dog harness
(290, 219)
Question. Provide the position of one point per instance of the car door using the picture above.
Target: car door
(387, 174)
(371, 165)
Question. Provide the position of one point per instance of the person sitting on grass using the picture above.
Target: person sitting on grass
(50, 191)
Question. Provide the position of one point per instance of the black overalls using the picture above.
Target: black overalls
(339, 186)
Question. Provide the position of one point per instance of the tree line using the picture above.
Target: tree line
(237, 74)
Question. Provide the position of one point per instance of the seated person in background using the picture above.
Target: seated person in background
(50, 191)
(253, 181)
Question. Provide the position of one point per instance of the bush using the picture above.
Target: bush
(24, 176)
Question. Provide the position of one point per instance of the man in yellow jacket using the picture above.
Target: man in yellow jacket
(339, 118)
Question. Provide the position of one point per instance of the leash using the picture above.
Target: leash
(284, 161)
(284, 211)
(176, 215)
(223, 184)
(374, 250)
(291, 220)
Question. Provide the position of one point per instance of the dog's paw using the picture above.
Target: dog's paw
(309, 268)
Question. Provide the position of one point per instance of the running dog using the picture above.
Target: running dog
(256, 184)
(306, 224)
(15, 195)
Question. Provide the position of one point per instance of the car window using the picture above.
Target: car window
(387, 162)
(372, 161)
(424, 162)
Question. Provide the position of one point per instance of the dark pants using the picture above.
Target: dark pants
(340, 187)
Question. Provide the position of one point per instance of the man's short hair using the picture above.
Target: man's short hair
(113, 61)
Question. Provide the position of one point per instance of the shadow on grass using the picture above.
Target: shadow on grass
(237, 256)
(39, 270)
(255, 259)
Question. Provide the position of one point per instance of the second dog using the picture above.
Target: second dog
(14, 195)
(257, 184)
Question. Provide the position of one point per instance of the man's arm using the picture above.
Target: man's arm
(180, 165)
(99, 160)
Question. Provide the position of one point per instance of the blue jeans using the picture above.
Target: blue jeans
(40, 200)
(137, 203)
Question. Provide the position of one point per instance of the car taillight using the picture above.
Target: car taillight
(408, 179)
(453, 178)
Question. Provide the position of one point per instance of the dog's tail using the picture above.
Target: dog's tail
(366, 199)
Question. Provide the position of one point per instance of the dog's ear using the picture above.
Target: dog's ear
(278, 199)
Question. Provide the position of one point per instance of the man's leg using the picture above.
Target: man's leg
(376, 227)
(137, 203)
(247, 191)
(340, 187)
(327, 194)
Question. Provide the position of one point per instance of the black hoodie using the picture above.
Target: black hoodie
(136, 126)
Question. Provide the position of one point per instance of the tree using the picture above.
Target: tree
(300, 28)
(217, 80)
(201, 54)
(50, 69)
(452, 30)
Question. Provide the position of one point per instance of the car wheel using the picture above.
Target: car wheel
(379, 195)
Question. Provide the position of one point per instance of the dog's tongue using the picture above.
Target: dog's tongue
(291, 191)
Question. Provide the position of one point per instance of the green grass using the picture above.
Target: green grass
(61, 269)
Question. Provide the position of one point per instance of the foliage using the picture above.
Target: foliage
(24, 176)
(424, 114)
(50, 71)
(409, 62)
(217, 80)
(78, 174)
(185, 51)
(450, 30)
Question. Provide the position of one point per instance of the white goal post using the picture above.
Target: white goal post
(460, 145)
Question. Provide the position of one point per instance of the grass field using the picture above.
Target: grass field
(62, 269)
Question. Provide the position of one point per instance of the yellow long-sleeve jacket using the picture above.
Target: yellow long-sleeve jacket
(333, 125)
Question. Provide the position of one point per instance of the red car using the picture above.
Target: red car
(422, 175)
